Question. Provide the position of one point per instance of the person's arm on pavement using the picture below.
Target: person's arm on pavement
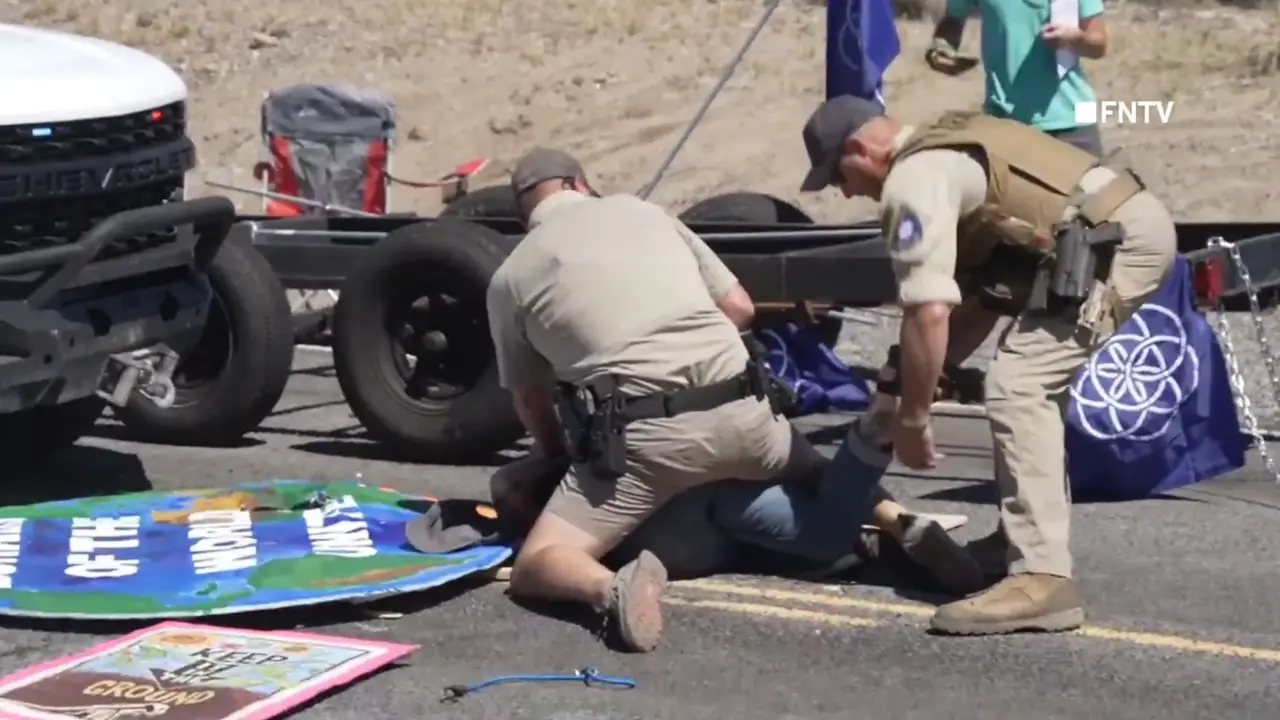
(722, 284)
(522, 370)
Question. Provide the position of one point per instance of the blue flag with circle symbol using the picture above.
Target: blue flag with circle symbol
(862, 41)
(1153, 409)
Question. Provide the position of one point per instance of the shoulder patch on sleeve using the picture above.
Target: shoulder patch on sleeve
(904, 229)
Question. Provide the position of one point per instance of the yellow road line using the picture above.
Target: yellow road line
(1133, 637)
(775, 611)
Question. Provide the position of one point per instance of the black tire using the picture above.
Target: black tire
(746, 207)
(761, 209)
(231, 380)
(32, 438)
(449, 262)
(496, 201)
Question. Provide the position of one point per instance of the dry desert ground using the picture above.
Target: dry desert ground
(614, 82)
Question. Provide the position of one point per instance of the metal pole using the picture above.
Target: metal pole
(293, 199)
(706, 104)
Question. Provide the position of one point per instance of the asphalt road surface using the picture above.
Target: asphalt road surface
(1183, 596)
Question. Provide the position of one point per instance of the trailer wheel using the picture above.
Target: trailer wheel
(231, 380)
(32, 438)
(411, 344)
(746, 207)
(496, 201)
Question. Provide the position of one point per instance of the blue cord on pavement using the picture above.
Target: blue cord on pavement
(587, 676)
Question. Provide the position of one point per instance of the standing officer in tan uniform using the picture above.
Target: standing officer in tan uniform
(614, 314)
(1033, 228)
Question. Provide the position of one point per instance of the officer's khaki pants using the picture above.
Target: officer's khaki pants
(742, 440)
(1028, 391)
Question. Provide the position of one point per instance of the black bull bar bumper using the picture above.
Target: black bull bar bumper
(62, 315)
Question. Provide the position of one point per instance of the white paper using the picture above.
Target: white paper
(1065, 12)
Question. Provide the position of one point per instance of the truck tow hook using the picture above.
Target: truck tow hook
(149, 371)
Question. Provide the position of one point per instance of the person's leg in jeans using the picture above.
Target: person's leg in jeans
(821, 520)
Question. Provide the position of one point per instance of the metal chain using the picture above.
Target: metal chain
(1243, 403)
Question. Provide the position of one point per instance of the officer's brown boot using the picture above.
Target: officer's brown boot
(635, 602)
(1026, 601)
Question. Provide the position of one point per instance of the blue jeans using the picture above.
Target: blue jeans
(711, 528)
(818, 522)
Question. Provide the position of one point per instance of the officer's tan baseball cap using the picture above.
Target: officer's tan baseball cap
(542, 164)
(825, 132)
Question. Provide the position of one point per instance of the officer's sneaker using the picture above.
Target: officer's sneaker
(1018, 603)
(634, 610)
(930, 546)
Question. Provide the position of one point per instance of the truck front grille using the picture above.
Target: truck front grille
(56, 221)
(47, 199)
(78, 139)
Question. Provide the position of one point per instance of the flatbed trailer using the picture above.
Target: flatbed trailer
(450, 258)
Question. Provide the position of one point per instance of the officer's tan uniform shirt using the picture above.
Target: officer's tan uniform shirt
(616, 286)
(925, 197)
(927, 194)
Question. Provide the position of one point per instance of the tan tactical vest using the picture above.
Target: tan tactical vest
(1032, 179)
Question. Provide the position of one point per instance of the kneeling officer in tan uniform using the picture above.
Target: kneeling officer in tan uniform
(614, 314)
(975, 206)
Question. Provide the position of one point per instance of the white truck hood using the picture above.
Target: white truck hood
(50, 76)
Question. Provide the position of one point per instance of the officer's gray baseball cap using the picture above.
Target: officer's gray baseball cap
(825, 132)
(542, 164)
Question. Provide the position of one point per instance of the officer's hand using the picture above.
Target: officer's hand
(948, 60)
(913, 443)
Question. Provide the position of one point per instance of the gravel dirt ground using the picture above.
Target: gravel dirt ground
(1181, 591)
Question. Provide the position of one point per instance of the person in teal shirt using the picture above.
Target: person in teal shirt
(1019, 42)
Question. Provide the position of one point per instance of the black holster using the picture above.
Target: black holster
(1082, 257)
(762, 383)
(595, 428)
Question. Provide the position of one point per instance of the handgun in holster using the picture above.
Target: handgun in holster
(594, 428)
(1082, 257)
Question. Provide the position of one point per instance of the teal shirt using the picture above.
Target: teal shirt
(1022, 73)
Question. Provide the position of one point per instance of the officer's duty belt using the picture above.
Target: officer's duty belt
(696, 399)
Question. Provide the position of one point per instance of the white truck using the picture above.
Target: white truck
(107, 272)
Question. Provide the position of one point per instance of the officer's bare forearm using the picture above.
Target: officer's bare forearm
(924, 348)
(538, 415)
(738, 307)
(971, 324)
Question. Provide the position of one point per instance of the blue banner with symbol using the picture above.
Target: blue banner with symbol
(208, 552)
(862, 41)
(821, 381)
(1153, 409)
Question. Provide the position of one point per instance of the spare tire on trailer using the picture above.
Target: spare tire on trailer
(232, 378)
(762, 209)
(495, 201)
(746, 207)
(421, 292)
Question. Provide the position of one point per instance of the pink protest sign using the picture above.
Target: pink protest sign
(183, 671)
